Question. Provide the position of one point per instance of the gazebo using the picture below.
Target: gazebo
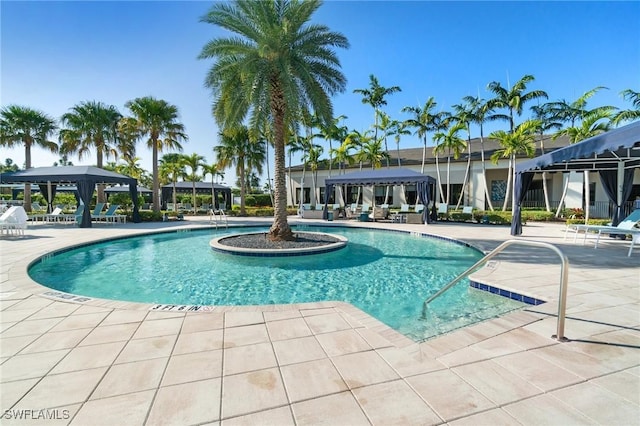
(615, 155)
(398, 176)
(201, 188)
(84, 177)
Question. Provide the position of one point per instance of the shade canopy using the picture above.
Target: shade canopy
(615, 155)
(397, 176)
(84, 177)
(201, 188)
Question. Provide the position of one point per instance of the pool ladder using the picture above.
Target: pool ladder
(213, 217)
(564, 278)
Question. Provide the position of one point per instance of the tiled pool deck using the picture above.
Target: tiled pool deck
(116, 363)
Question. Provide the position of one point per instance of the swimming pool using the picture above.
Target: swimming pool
(386, 274)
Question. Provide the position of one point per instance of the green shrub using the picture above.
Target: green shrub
(250, 201)
(598, 222)
(458, 216)
(262, 200)
(537, 216)
(150, 216)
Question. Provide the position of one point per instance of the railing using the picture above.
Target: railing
(597, 209)
(564, 278)
(213, 217)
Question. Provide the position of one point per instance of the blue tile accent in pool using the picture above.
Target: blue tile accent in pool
(506, 293)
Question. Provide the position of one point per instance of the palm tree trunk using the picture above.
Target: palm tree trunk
(27, 186)
(330, 156)
(424, 154)
(290, 183)
(587, 197)
(194, 197)
(484, 172)
(266, 155)
(280, 229)
(507, 192)
(439, 178)
(448, 179)
(466, 173)
(564, 194)
(243, 187)
(545, 189)
(173, 195)
(156, 180)
(101, 196)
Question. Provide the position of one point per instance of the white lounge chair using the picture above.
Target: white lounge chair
(625, 227)
(14, 220)
(443, 210)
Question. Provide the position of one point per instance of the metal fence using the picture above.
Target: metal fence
(598, 210)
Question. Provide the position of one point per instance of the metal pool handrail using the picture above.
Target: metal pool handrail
(564, 278)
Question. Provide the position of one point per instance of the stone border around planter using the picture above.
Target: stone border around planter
(217, 246)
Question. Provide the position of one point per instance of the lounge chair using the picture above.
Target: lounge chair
(111, 216)
(627, 224)
(468, 210)
(56, 216)
(97, 211)
(443, 210)
(14, 220)
(635, 239)
(365, 208)
(419, 208)
(380, 213)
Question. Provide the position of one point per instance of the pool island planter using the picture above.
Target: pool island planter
(218, 245)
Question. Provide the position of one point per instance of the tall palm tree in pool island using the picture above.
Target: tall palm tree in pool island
(275, 65)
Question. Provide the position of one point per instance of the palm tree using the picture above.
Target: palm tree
(450, 142)
(513, 99)
(464, 115)
(371, 151)
(423, 121)
(194, 162)
(546, 117)
(28, 127)
(277, 64)
(399, 129)
(343, 157)
(172, 168)
(521, 140)
(213, 170)
(333, 132)
(158, 120)
(481, 110)
(374, 96)
(385, 124)
(629, 114)
(236, 149)
(91, 125)
(313, 160)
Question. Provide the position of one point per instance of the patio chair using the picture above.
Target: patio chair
(379, 213)
(468, 210)
(110, 215)
(97, 211)
(14, 220)
(443, 211)
(365, 207)
(627, 224)
(419, 208)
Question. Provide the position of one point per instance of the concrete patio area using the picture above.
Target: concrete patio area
(100, 362)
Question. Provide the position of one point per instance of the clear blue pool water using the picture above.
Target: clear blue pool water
(386, 274)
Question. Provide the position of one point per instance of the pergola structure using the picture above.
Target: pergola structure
(84, 177)
(208, 188)
(386, 177)
(615, 155)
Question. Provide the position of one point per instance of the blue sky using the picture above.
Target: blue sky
(57, 54)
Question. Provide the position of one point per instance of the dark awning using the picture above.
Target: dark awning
(614, 154)
(604, 151)
(85, 178)
(398, 176)
(380, 177)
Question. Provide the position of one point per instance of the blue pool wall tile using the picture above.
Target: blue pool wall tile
(506, 293)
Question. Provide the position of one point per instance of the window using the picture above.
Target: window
(379, 194)
(410, 194)
(498, 190)
(331, 196)
(352, 194)
(307, 196)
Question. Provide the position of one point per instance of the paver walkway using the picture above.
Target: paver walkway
(106, 363)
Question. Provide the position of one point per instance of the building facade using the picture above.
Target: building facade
(307, 187)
